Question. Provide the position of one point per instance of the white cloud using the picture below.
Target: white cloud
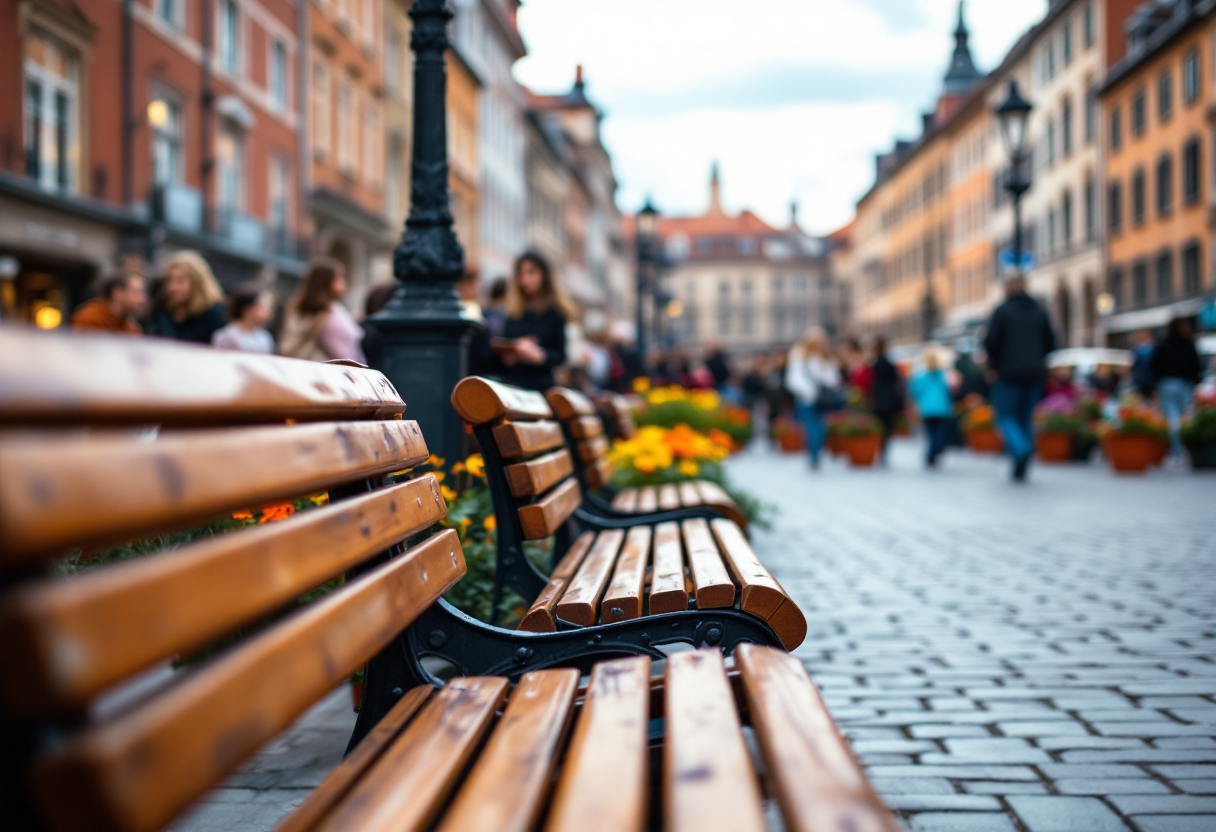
(792, 96)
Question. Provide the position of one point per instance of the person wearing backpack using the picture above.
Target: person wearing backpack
(811, 376)
(316, 326)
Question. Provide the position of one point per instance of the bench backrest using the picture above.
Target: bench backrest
(80, 470)
(519, 437)
(617, 414)
(585, 430)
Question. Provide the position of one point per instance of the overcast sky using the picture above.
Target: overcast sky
(793, 97)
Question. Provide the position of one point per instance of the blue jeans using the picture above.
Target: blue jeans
(812, 422)
(937, 431)
(1176, 395)
(1014, 406)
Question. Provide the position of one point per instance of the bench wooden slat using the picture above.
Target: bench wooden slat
(609, 746)
(626, 500)
(512, 776)
(568, 403)
(93, 490)
(816, 781)
(342, 779)
(690, 495)
(585, 427)
(539, 618)
(408, 786)
(708, 779)
(479, 400)
(710, 580)
(138, 771)
(516, 439)
(618, 410)
(668, 589)
(713, 495)
(71, 639)
(760, 593)
(100, 379)
(592, 449)
(648, 500)
(599, 473)
(623, 598)
(527, 479)
(579, 601)
(669, 497)
(546, 515)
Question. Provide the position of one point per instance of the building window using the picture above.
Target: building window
(705, 245)
(1165, 95)
(169, 12)
(1051, 230)
(165, 119)
(1066, 128)
(1116, 286)
(1066, 42)
(1049, 142)
(1191, 187)
(1091, 114)
(230, 169)
(1165, 276)
(747, 246)
(1165, 185)
(1138, 113)
(321, 119)
(1191, 270)
(1190, 77)
(229, 37)
(1066, 219)
(347, 125)
(1116, 129)
(278, 74)
(1091, 210)
(392, 60)
(1088, 21)
(371, 144)
(1140, 284)
(50, 110)
(1116, 207)
(280, 195)
(1138, 197)
(1049, 60)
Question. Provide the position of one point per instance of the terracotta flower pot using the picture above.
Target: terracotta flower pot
(834, 444)
(861, 450)
(1131, 453)
(791, 441)
(1053, 447)
(984, 441)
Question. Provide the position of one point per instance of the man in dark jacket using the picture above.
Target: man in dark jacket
(1019, 338)
(1176, 370)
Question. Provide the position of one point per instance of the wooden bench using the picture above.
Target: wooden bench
(79, 468)
(688, 577)
(588, 427)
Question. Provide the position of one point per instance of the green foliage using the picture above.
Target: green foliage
(1200, 428)
(853, 423)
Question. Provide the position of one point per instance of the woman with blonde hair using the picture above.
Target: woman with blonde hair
(930, 391)
(190, 303)
(316, 325)
(812, 377)
(534, 334)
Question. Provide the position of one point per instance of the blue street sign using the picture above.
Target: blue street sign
(1008, 264)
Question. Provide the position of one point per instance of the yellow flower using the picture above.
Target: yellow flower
(689, 468)
(476, 465)
(319, 499)
(439, 475)
(242, 515)
(448, 494)
(435, 461)
(458, 468)
(464, 525)
(641, 384)
(491, 523)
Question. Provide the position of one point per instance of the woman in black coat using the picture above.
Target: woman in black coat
(190, 304)
(886, 392)
(533, 341)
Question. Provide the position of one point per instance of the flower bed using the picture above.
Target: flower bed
(1134, 438)
(701, 410)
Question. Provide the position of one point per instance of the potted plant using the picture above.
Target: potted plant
(1199, 433)
(1059, 426)
(834, 442)
(979, 429)
(1089, 411)
(1134, 439)
(860, 438)
(788, 434)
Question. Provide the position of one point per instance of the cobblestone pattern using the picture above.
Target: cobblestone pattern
(1038, 657)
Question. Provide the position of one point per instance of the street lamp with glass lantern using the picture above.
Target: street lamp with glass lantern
(1014, 114)
(647, 232)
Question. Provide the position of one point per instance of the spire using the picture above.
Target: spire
(793, 213)
(962, 74)
(715, 190)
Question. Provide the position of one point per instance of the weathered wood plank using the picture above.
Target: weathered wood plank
(623, 598)
(592, 449)
(648, 500)
(536, 476)
(760, 593)
(479, 400)
(668, 587)
(579, 602)
(710, 580)
(669, 497)
(626, 500)
(568, 403)
(713, 495)
(585, 427)
(546, 515)
(539, 618)
(516, 439)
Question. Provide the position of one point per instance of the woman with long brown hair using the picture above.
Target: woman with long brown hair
(811, 376)
(316, 325)
(190, 303)
(534, 334)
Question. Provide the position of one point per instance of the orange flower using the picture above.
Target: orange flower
(242, 515)
(273, 514)
(491, 523)
(448, 494)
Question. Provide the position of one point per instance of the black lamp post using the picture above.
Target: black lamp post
(1014, 113)
(647, 233)
(426, 336)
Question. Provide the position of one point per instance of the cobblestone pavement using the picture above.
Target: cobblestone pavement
(1002, 657)
(1037, 658)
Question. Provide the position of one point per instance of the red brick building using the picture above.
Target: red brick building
(144, 126)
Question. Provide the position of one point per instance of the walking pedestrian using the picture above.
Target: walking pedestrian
(316, 326)
(886, 392)
(190, 303)
(1019, 338)
(250, 308)
(811, 375)
(1142, 370)
(931, 392)
(533, 342)
(120, 301)
(1176, 370)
